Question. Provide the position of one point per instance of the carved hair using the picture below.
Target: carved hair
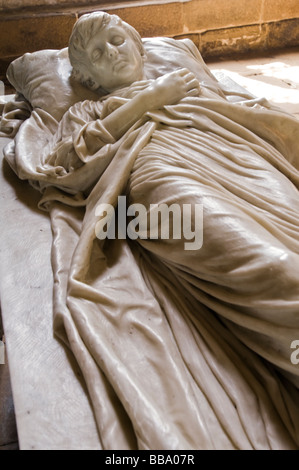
(84, 29)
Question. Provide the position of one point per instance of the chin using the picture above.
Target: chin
(131, 75)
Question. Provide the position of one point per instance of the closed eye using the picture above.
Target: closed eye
(117, 40)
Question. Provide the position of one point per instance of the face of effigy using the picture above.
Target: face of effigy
(114, 58)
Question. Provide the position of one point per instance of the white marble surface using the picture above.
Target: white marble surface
(52, 408)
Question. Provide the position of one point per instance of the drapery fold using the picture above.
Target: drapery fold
(179, 350)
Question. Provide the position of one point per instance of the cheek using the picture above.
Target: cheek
(137, 59)
(132, 50)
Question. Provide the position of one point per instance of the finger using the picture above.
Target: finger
(193, 92)
(183, 72)
(193, 84)
(189, 77)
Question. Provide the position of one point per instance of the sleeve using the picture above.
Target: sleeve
(97, 131)
(67, 150)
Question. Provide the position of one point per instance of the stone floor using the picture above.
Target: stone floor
(8, 430)
(273, 75)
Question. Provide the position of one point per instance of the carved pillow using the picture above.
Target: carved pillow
(44, 77)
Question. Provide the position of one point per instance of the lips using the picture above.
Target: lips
(119, 65)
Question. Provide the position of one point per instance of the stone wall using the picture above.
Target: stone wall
(226, 27)
(218, 27)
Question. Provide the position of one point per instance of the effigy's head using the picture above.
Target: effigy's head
(105, 52)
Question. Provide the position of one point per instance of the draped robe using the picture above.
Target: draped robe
(180, 349)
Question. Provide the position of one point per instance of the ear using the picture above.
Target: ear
(90, 83)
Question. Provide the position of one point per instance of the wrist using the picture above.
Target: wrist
(148, 98)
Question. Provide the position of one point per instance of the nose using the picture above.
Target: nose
(111, 51)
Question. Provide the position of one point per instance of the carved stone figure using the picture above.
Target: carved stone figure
(180, 348)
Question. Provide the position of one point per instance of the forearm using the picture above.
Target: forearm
(118, 122)
(165, 90)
